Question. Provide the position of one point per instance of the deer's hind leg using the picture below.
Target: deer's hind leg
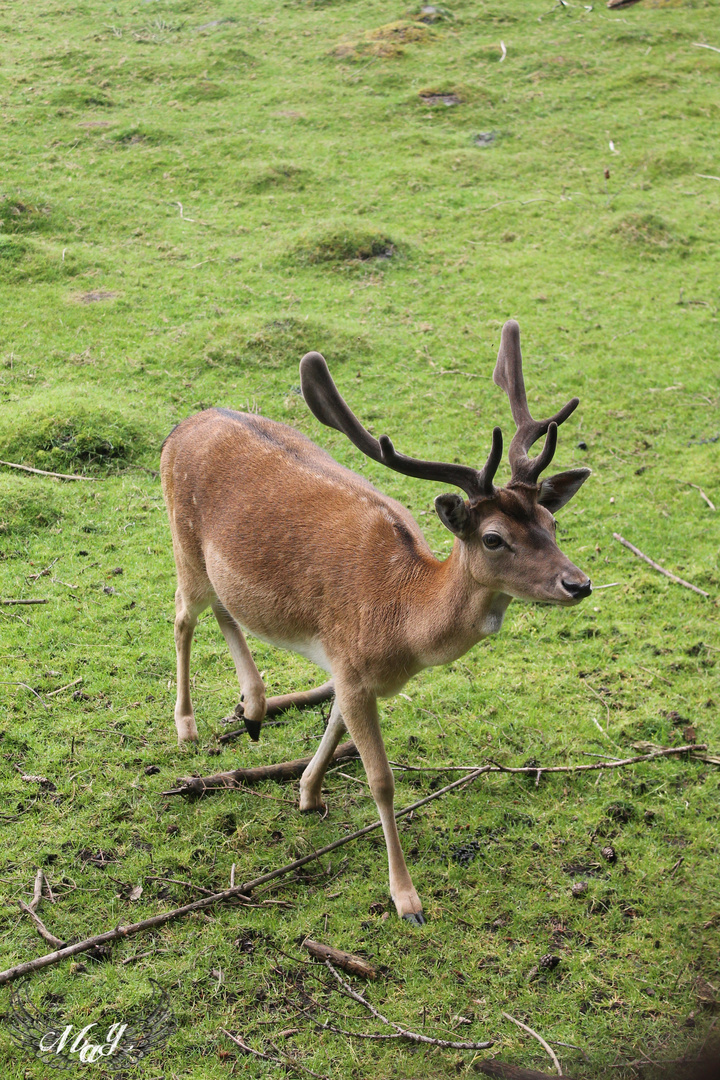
(187, 611)
(251, 684)
(311, 780)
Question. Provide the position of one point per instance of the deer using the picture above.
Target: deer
(283, 542)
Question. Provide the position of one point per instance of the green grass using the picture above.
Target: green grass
(194, 195)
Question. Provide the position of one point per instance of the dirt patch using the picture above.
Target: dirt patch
(94, 296)
(440, 97)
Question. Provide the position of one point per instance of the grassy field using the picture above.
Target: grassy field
(194, 194)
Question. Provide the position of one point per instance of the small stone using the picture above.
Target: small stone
(484, 138)
(582, 445)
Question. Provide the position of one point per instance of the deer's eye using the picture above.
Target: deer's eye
(492, 541)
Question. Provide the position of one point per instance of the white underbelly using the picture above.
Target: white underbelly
(311, 650)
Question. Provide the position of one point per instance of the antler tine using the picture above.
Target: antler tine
(327, 405)
(508, 375)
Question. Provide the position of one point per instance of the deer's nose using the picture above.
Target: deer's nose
(578, 590)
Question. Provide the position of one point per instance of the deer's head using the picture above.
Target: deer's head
(507, 534)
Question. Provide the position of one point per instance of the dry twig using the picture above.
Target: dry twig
(656, 566)
(12, 603)
(43, 472)
(68, 686)
(37, 891)
(284, 1060)
(41, 927)
(404, 1033)
(702, 495)
(539, 1038)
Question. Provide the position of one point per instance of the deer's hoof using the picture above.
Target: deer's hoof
(415, 919)
(253, 728)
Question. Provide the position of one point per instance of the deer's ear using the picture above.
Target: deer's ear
(557, 490)
(453, 513)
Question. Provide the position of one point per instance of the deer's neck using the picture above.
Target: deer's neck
(454, 610)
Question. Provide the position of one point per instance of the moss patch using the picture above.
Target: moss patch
(283, 342)
(345, 245)
(67, 436)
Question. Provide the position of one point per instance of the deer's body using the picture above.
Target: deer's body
(392, 606)
(284, 542)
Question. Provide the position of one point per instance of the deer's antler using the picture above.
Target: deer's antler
(508, 375)
(325, 402)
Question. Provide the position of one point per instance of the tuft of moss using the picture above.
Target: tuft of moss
(25, 261)
(203, 90)
(283, 175)
(282, 343)
(646, 230)
(67, 436)
(82, 97)
(24, 215)
(345, 245)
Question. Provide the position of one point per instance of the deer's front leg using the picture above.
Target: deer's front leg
(251, 685)
(359, 711)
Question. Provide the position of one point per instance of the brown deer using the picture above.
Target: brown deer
(285, 543)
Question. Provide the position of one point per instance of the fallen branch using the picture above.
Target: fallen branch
(539, 1038)
(288, 770)
(10, 603)
(656, 566)
(354, 965)
(242, 891)
(404, 1033)
(667, 751)
(284, 770)
(43, 472)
